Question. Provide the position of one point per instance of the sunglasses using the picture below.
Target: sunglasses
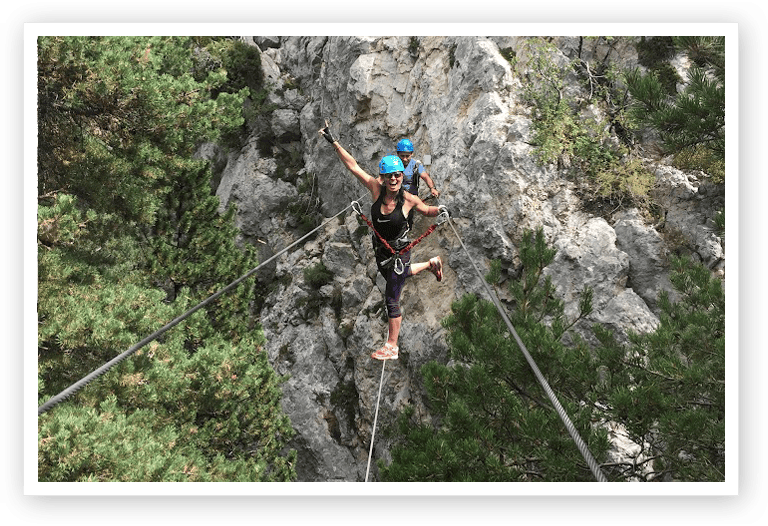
(393, 175)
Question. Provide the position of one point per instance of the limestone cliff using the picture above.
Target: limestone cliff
(458, 100)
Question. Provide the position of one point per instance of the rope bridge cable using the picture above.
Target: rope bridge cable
(593, 465)
(74, 388)
(375, 418)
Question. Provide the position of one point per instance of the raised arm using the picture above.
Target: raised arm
(350, 164)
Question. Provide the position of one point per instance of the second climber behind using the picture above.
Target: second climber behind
(413, 172)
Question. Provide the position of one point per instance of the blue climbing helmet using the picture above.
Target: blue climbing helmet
(404, 146)
(389, 164)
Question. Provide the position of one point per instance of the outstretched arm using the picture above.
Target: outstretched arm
(414, 203)
(350, 163)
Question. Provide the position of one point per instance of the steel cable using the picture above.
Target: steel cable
(593, 465)
(74, 388)
(375, 418)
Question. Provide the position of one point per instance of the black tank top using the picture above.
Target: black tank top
(391, 226)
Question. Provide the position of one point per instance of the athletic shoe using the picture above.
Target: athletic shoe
(388, 352)
(436, 267)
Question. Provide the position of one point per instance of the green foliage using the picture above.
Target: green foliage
(654, 53)
(120, 117)
(85, 444)
(543, 89)
(655, 50)
(508, 54)
(317, 275)
(695, 117)
(211, 417)
(562, 134)
(242, 64)
(129, 237)
(668, 387)
(691, 124)
(626, 180)
(493, 420)
(413, 46)
(699, 157)
(194, 252)
(706, 52)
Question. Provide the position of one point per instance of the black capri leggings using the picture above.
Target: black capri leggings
(395, 283)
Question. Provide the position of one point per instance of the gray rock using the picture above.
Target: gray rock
(458, 100)
(648, 266)
(285, 124)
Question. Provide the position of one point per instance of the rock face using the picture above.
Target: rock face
(458, 100)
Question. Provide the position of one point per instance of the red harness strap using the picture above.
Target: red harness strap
(403, 250)
(384, 241)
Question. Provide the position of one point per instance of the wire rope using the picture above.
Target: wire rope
(583, 449)
(74, 388)
(375, 418)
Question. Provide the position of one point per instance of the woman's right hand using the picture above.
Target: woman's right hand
(326, 133)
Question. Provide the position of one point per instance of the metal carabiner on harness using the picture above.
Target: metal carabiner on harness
(399, 267)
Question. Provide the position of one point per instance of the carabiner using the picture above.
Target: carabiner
(441, 218)
(357, 208)
(399, 267)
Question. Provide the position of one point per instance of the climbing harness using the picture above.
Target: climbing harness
(375, 418)
(441, 218)
(74, 388)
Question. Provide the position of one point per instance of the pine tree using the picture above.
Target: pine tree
(129, 237)
(668, 387)
(691, 123)
(493, 421)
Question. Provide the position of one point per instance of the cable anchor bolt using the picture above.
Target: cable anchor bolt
(442, 217)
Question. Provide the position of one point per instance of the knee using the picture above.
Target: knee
(393, 308)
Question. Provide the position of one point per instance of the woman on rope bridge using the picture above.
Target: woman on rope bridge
(389, 212)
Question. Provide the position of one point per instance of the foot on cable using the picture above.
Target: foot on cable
(388, 352)
(436, 267)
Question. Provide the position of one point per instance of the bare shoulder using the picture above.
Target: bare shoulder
(411, 199)
(413, 202)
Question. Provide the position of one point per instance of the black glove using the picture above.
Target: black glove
(326, 132)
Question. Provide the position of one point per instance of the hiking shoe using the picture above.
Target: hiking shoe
(388, 352)
(436, 267)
